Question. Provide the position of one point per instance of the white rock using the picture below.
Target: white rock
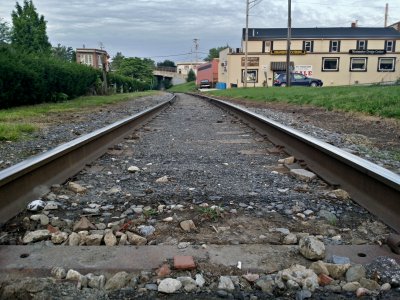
(163, 179)
(94, 239)
(133, 169)
(386, 287)
(308, 212)
(303, 174)
(304, 277)
(109, 238)
(123, 240)
(183, 245)
(168, 219)
(76, 188)
(312, 248)
(169, 285)
(74, 239)
(36, 205)
(96, 282)
(135, 239)
(58, 272)
(51, 205)
(290, 239)
(44, 220)
(73, 275)
(34, 236)
(138, 210)
(225, 283)
(187, 225)
(59, 237)
(200, 281)
(118, 281)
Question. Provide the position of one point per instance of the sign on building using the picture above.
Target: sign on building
(306, 70)
(251, 61)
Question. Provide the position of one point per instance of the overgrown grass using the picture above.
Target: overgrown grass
(381, 101)
(15, 123)
(183, 88)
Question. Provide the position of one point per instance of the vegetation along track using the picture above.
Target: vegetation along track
(196, 181)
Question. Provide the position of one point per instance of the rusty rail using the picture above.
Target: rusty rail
(33, 177)
(373, 187)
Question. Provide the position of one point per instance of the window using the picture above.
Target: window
(358, 64)
(334, 46)
(330, 64)
(362, 45)
(308, 46)
(386, 64)
(390, 46)
(267, 46)
(251, 76)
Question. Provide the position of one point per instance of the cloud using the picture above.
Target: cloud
(149, 28)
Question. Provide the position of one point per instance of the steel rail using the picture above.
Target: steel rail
(33, 177)
(373, 187)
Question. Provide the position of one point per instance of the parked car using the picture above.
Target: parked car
(297, 79)
(205, 84)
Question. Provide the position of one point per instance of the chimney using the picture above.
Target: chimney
(354, 24)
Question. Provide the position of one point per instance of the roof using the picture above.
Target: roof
(323, 33)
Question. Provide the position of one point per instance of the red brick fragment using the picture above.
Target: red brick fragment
(184, 263)
(52, 229)
(324, 279)
(163, 271)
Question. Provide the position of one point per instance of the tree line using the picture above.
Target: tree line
(32, 71)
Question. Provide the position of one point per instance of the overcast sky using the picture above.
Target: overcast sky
(162, 29)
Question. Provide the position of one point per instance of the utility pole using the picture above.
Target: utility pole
(196, 48)
(386, 14)
(289, 36)
(246, 42)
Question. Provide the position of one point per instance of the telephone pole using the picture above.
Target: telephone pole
(246, 42)
(386, 14)
(196, 48)
(289, 36)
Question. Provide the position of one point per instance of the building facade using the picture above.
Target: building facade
(337, 56)
(184, 67)
(209, 72)
(93, 57)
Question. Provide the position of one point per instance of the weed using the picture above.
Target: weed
(149, 213)
(210, 213)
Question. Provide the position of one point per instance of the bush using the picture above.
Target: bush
(31, 79)
(124, 84)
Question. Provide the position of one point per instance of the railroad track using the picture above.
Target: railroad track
(195, 162)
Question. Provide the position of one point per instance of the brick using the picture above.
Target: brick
(184, 263)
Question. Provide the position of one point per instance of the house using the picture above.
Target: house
(184, 67)
(336, 55)
(95, 58)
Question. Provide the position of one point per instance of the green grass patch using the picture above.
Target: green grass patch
(16, 123)
(187, 87)
(381, 101)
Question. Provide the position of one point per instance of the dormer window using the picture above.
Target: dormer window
(334, 46)
(308, 46)
(390, 46)
(361, 45)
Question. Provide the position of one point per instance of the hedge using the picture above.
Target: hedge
(32, 79)
(124, 84)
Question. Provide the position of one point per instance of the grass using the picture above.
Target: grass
(183, 88)
(383, 101)
(209, 213)
(17, 123)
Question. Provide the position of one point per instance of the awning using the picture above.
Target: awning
(280, 65)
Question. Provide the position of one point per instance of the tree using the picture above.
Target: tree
(191, 76)
(117, 61)
(214, 53)
(29, 30)
(64, 53)
(166, 63)
(137, 68)
(5, 32)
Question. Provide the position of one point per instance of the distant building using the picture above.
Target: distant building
(208, 72)
(184, 67)
(396, 26)
(93, 57)
(336, 55)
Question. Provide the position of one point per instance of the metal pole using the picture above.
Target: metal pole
(246, 42)
(386, 14)
(289, 33)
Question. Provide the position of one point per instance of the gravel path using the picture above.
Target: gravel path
(196, 176)
(62, 128)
